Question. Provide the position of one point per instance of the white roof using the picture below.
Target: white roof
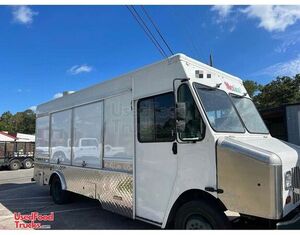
(25, 137)
(149, 80)
(5, 137)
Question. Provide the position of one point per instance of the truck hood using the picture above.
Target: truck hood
(271, 151)
(288, 153)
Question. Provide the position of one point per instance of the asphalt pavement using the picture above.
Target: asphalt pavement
(19, 194)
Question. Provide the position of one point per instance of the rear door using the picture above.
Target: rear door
(156, 163)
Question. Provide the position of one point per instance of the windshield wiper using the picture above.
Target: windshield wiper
(238, 96)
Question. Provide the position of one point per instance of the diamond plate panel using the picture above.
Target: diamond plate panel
(124, 166)
(112, 188)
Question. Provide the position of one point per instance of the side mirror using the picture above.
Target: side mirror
(180, 111)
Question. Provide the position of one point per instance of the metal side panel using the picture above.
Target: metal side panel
(114, 189)
(252, 183)
(38, 173)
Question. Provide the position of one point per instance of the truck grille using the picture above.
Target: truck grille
(296, 183)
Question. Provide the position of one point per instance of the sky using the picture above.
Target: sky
(45, 50)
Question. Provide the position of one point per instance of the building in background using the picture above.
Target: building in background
(5, 137)
(284, 122)
(18, 137)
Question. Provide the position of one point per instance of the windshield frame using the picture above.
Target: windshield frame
(245, 97)
(204, 111)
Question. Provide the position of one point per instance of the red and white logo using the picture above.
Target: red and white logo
(33, 220)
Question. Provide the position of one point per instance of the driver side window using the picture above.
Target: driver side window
(194, 125)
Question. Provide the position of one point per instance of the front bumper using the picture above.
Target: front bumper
(292, 222)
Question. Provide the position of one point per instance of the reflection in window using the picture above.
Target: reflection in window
(249, 114)
(219, 109)
(87, 131)
(61, 137)
(42, 137)
(156, 118)
(118, 127)
(146, 120)
(194, 125)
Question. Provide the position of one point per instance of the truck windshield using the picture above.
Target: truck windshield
(219, 110)
(249, 114)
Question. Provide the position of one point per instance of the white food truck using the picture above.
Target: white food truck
(176, 144)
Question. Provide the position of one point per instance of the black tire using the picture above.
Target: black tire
(59, 195)
(200, 215)
(27, 163)
(14, 165)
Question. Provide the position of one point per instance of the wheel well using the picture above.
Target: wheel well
(52, 178)
(61, 179)
(193, 194)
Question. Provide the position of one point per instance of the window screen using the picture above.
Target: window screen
(156, 121)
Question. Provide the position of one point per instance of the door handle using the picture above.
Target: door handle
(174, 148)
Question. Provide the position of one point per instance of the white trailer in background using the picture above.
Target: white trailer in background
(175, 143)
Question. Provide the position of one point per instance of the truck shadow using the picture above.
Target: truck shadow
(80, 213)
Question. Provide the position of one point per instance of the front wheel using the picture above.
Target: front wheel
(200, 215)
(59, 195)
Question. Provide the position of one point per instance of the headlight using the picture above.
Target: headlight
(288, 180)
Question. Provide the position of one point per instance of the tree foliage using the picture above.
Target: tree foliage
(22, 122)
(252, 87)
(282, 90)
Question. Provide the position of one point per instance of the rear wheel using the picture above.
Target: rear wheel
(27, 163)
(200, 215)
(14, 165)
(59, 195)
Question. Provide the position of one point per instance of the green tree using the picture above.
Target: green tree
(282, 90)
(6, 122)
(23, 122)
(252, 87)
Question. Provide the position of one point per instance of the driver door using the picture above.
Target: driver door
(156, 160)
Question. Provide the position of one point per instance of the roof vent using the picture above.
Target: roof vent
(67, 92)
